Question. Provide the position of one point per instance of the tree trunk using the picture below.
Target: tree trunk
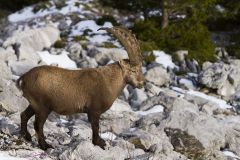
(165, 20)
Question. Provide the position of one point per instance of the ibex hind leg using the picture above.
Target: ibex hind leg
(25, 116)
(40, 119)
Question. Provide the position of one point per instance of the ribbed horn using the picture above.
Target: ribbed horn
(129, 41)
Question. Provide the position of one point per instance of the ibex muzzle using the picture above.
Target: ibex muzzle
(90, 91)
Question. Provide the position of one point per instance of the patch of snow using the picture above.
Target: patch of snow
(188, 83)
(164, 59)
(181, 16)
(192, 75)
(155, 109)
(220, 8)
(108, 136)
(99, 39)
(61, 60)
(24, 14)
(132, 129)
(230, 154)
(27, 13)
(15, 77)
(179, 90)
(80, 27)
(222, 104)
(6, 156)
(155, 13)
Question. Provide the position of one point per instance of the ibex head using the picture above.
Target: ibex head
(132, 67)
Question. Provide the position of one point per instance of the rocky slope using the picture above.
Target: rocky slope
(192, 116)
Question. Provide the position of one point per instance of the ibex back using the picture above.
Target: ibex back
(90, 91)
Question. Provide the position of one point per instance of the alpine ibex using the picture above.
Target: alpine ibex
(91, 90)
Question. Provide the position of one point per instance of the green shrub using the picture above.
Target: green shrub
(234, 50)
(184, 35)
(41, 6)
(60, 4)
(106, 18)
(60, 44)
(109, 45)
(14, 5)
(149, 57)
(79, 38)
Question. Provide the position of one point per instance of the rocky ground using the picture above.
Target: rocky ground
(175, 117)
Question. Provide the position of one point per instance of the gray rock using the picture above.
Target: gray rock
(5, 70)
(138, 96)
(75, 50)
(104, 55)
(33, 40)
(117, 122)
(18, 68)
(225, 78)
(7, 54)
(181, 54)
(158, 76)
(189, 146)
(10, 97)
(85, 150)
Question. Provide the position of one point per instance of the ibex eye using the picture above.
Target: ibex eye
(133, 71)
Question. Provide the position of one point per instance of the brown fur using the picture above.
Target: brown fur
(66, 92)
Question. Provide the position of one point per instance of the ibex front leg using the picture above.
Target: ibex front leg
(94, 120)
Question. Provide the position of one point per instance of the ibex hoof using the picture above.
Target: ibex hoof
(26, 136)
(100, 142)
(44, 146)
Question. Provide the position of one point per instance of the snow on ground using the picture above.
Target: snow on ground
(61, 60)
(27, 13)
(91, 25)
(108, 136)
(231, 154)
(96, 36)
(155, 109)
(6, 156)
(187, 83)
(164, 59)
(222, 104)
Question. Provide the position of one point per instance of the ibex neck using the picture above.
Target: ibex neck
(114, 77)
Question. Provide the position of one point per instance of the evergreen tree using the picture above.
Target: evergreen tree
(181, 25)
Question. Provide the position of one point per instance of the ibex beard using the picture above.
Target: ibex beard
(91, 90)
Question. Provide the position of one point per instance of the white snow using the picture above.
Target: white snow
(6, 156)
(155, 109)
(99, 39)
(108, 136)
(94, 36)
(230, 154)
(27, 13)
(222, 104)
(61, 60)
(188, 83)
(91, 25)
(164, 59)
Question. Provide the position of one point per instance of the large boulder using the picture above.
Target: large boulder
(222, 77)
(10, 97)
(158, 76)
(5, 70)
(33, 40)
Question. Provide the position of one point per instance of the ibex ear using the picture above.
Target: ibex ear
(123, 64)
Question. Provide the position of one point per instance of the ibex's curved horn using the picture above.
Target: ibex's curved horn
(129, 41)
